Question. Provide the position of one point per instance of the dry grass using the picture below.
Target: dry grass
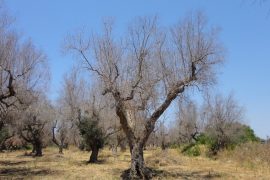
(169, 164)
(250, 155)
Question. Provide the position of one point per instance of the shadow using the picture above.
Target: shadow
(163, 174)
(185, 175)
(12, 163)
(86, 163)
(30, 155)
(6, 172)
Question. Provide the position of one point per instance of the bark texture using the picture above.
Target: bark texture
(38, 149)
(94, 155)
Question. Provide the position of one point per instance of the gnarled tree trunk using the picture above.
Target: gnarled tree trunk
(138, 169)
(38, 149)
(94, 155)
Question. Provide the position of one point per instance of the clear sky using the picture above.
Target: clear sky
(245, 34)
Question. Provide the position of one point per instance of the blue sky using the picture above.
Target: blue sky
(245, 34)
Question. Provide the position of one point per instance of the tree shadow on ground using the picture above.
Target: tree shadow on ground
(83, 163)
(185, 175)
(12, 163)
(22, 172)
(163, 174)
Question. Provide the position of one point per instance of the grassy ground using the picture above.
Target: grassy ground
(169, 164)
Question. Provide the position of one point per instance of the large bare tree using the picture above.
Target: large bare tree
(23, 72)
(146, 69)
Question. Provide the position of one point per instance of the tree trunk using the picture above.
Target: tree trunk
(94, 155)
(61, 149)
(138, 169)
(34, 148)
(123, 147)
(38, 147)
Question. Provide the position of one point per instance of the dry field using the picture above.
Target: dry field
(169, 164)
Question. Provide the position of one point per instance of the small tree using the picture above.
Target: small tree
(32, 132)
(71, 102)
(33, 126)
(92, 134)
(188, 121)
(62, 132)
(223, 128)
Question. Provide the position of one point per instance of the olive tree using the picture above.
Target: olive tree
(71, 103)
(92, 135)
(223, 118)
(35, 124)
(60, 140)
(146, 69)
(23, 71)
(189, 125)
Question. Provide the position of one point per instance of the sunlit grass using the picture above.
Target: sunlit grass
(169, 164)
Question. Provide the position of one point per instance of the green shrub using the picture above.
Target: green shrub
(191, 150)
(91, 133)
(203, 139)
(248, 135)
(3, 134)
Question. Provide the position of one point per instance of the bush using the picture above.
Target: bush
(93, 136)
(91, 133)
(204, 139)
(248, 135)
(3, 134)
(192, 150)
(238, 134)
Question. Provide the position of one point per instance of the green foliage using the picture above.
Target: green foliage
(204, 139)
(241, 134)
(3, 134)
(215, 143)
(3, 137)
(91, 133)
(174, 146)
(192, 150)
(249, 135)
(28, 147)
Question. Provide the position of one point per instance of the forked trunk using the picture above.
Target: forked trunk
(94, 155)
(137, 169)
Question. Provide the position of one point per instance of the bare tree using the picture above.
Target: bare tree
(145, 71)
(34, 125)
(223, 117)
(71, 102)
(21, 69)
(188, 120)
(62, 130)
(163, 135)
(23, 72)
